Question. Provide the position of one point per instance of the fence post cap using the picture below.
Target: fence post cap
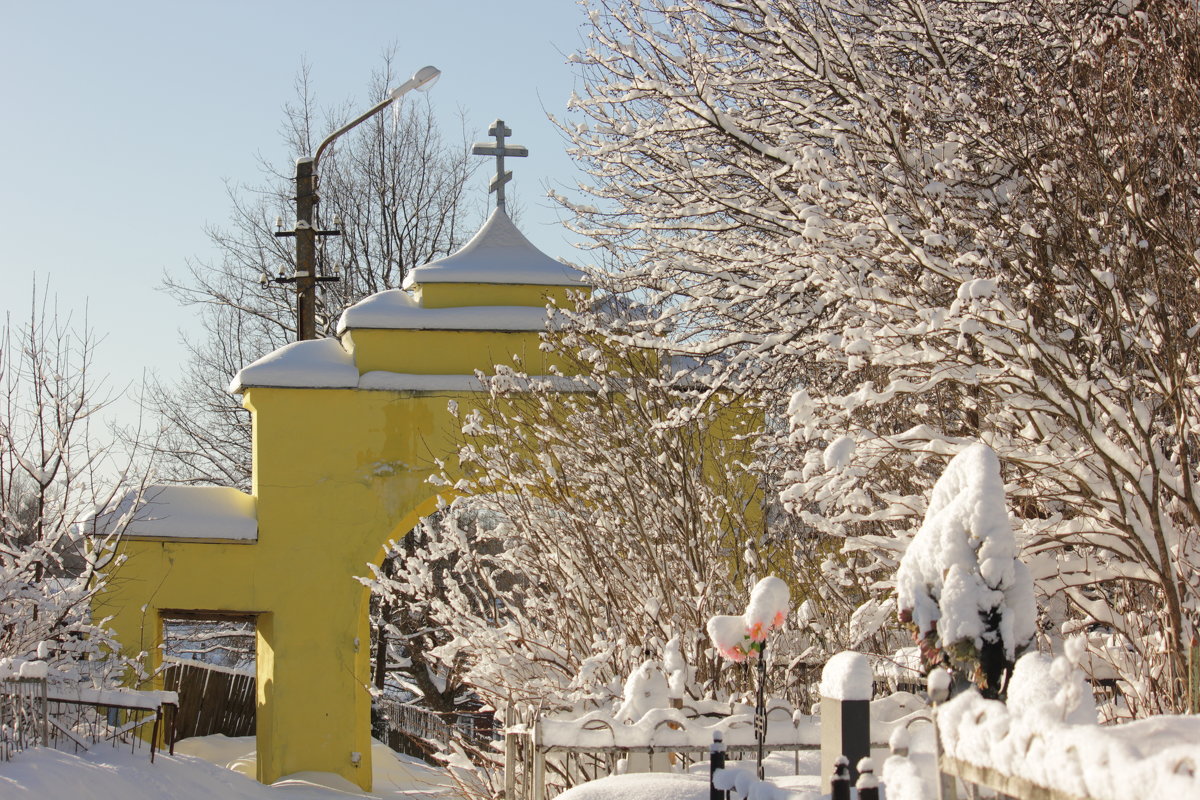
(847, 676)
(867, 780)
(939, 684)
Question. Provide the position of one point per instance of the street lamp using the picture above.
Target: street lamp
(306, 232)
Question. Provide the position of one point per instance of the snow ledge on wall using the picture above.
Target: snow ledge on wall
(184, 512)
(395, 309)
(310, 364)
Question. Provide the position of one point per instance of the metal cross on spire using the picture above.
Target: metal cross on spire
(499, 150)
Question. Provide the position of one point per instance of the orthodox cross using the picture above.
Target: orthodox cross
(499, 130)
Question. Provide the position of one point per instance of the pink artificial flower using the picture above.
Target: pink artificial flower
(779, 617)
(757, 633)
(735, 654)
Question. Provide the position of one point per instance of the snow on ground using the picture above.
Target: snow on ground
(201, 769)
(642, 785)
(781, 769)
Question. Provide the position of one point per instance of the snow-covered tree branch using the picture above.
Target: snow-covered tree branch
(916, 225)
(594, 529)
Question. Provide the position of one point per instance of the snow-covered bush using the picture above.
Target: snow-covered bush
(597, 530)
(1053, 687)
(960, 585)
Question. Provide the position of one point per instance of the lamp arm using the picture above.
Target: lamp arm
(424, 77)
(380, 106)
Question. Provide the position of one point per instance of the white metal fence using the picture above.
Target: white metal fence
(34, 713)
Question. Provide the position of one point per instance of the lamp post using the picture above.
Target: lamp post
(306, 231)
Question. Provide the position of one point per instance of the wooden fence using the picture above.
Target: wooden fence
(211, 699)
(1001, 785)
(420, 732)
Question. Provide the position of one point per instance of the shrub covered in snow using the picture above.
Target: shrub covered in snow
(990, 231)
(599, 528)
(960, 585)
(1053, 687)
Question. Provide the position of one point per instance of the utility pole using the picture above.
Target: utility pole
(306, 232)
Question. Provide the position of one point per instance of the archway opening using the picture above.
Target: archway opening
(208, 657)
(421, 702)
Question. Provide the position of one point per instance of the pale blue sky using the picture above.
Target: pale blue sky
(123, 120)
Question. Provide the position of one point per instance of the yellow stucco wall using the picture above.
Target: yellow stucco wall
(448, 295)
(337, 473)
(445, 352)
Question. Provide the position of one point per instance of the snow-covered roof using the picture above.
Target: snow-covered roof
(498, 253)
(396, 309)
(310, 364)
(187, 512)
(325, 364)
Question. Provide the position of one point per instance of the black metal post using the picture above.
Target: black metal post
(716, 761)
(839, 784)
(867, 784)
(760, 709)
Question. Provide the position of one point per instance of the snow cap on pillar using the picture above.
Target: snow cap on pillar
(499, 254)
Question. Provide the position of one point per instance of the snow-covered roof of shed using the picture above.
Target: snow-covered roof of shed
(309, 364)
(498, 253)
(396, 309)
(185, 512)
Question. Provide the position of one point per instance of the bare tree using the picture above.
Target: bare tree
(397, 187)
(55, 476)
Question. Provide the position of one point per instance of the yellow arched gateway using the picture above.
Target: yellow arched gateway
(346, 433)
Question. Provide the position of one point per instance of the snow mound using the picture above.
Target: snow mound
(396, 309)
(768, 607)
(394, 775)
(645, 690)
(1154, 757)
(644, 786)
(676, 668)
(182, 512)
(728, 635)
(1040, 685)
(739, 638)
(113, 772)
(309, 364)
